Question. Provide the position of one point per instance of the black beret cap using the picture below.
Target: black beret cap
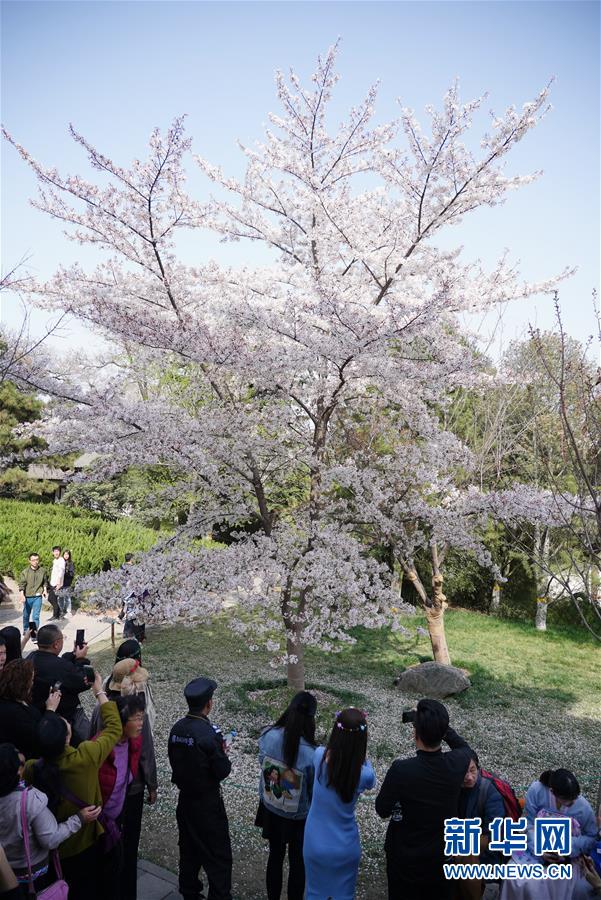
(199, 691)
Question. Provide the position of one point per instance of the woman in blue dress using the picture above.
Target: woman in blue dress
(332, 849)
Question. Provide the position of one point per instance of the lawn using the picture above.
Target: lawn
(534, 704)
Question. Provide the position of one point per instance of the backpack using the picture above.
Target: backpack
(513, 807)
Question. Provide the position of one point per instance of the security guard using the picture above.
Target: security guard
(199, 764)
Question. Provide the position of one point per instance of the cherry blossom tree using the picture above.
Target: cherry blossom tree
(258, 368)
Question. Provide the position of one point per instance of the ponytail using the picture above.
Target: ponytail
(46, 777)
(562, 782)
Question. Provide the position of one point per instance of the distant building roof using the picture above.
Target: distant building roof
(85, 460)
(45, 473)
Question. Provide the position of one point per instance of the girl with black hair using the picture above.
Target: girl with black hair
(69, 776)
(286, 751)
(65, 593)
(332, 849)
(14, 642)
(44, 831)
(556, 793)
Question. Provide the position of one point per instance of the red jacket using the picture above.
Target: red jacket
(107, 774)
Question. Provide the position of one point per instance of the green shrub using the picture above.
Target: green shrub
(36, 527)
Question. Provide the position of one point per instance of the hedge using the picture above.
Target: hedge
(36, 527)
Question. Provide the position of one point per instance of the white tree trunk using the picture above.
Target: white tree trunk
(296, 670)
(495, 600)
(540, 619)
(541, 558)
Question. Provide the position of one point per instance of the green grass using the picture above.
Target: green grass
(507, 660)
(534, 704)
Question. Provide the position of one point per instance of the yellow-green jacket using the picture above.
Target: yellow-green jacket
(78, 768)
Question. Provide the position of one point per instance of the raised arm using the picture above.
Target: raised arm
(389, 793)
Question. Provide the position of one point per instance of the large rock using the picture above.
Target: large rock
(432, 679)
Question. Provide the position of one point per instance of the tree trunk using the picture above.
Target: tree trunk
(541, 558)
(435, 612)
(595, 583)
(540, 619)
(438, 638)
(434, 608)
(296, 670)
(495, 600)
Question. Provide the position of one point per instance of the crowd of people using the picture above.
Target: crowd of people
(72, 789)
(73, 786)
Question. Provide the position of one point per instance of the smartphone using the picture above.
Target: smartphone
(228, 739)
(80, 637)
(56, 686)
(33, 628)
(89, 674)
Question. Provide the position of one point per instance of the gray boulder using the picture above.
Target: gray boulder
(432, 679)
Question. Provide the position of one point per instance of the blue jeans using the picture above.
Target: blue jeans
(31, 611)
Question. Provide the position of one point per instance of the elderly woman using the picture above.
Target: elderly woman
(129, 678)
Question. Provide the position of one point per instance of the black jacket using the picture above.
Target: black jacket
(423, 791)
(198, 761)
(19, 726)
(49, 669)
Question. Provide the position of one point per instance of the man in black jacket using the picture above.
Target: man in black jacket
(50, 668)
(420, 793)
(199, 764)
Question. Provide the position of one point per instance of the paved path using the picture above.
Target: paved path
(96, 627)
(155, 883)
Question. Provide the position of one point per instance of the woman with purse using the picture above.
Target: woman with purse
(69, 776)
(28, 830)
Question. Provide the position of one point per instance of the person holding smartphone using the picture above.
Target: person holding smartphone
(19, 719)
(51, 667)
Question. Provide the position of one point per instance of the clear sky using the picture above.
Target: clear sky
(117, 69)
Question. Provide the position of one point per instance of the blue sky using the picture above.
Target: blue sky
(117, 69)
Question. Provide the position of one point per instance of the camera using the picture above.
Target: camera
(408, 716)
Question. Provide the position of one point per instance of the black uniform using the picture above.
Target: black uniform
(199, 765)
(420, 793)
